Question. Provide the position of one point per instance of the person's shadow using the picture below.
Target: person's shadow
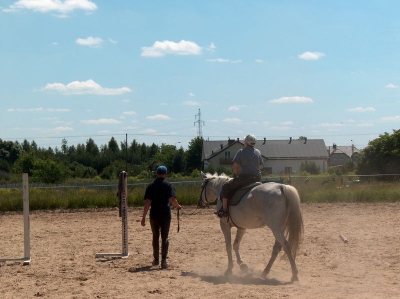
(144, 269)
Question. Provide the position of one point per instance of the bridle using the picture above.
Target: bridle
(203, 189)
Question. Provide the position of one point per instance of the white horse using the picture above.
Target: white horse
(270, 204)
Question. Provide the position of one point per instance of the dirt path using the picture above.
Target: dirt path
(63, 246)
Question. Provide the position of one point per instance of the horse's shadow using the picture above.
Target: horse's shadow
(236, 279)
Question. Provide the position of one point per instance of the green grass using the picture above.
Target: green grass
(316, 190)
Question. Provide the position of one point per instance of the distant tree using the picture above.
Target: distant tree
(309, 167)
(49, 172)
(152, 151)
(381, 156)
(10, 151)
(64, 146)
(178, 161)
(91, 147)
(193, 154)
(26, 147)
(113, 145)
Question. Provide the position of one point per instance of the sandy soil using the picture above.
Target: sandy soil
(63, 247)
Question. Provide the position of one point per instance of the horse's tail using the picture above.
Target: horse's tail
(293, 226)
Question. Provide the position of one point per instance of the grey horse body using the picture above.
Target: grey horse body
(274, 205)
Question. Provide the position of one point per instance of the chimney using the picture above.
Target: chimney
(290, 140)
(334, 146)
(305, 140)
(222, 146)
(265, 140)
(230, 141)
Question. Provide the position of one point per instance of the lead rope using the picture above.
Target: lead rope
(177, 215)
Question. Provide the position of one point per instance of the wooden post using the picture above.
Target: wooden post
(123, 213)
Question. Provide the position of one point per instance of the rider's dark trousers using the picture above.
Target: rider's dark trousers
(157, 226)
(229, 188)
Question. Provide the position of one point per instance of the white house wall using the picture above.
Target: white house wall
(278, 166)
(215, 161)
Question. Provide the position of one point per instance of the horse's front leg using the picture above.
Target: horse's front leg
(226, 230)
(239, 236)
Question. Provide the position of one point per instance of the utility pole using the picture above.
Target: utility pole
(200, 123)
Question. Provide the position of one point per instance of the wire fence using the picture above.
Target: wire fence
(339, 180)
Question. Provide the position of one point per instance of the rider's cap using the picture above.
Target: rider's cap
(161, 169)
(250, 139)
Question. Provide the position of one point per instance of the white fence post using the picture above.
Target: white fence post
(27, 242)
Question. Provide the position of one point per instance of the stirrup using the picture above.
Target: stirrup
(222, 213)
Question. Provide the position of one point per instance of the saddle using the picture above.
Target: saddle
(239, 193)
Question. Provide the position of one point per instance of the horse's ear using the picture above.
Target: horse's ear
(203, 175)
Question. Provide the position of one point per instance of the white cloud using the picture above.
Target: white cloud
(44, 6)
(129, 113)
(390, 85)
(311, 55)
(331, 125)
(223, 60)
(281, 128)
(365, 125)
(101, 121)
(150, 131)
(90, 41)
(63, 129)
(259, 60)
(25, 110)
(212, 47)
(168, 47)
(40, 109)
(158, 117)
(361, 109)
(130, 128)
(233, 120)
(192, 94)
(234, 108)
(126, 100)
(57, 110)
(286, 123)
(112, 41)
(191, 103)
(296, 99)
(391, 118)
(85, 87)
(61, 122)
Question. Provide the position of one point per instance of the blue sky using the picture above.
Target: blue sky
(95, 69)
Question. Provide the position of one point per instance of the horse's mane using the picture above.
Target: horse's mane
(222, 175)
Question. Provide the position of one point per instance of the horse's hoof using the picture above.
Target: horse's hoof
(264, 274)
(294, 278)
(228, 272)
(244, 268)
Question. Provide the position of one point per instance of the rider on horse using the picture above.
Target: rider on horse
(250, 161)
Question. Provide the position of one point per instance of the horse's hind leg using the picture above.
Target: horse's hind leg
(236, 244)
(279, 237)
(275, 251)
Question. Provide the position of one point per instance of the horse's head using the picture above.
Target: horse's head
(210, 189)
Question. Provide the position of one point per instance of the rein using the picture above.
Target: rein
(203, 189)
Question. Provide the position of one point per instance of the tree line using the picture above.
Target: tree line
(47, 165)
(88, 160)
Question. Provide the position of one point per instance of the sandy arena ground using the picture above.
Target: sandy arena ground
(63, 247)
